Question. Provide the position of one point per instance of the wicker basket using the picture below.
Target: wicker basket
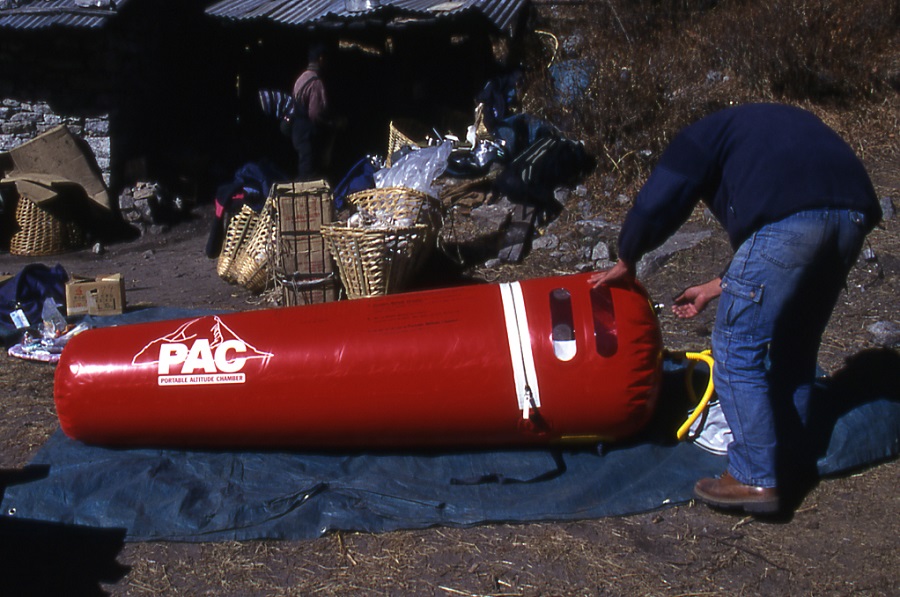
(239, 226)
(250, 238)
(399, 206)
(377, 261)
(396, 141)
(39, 232)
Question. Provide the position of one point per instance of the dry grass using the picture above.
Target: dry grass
(655, 67)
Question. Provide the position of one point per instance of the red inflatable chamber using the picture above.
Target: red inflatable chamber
(531, 362)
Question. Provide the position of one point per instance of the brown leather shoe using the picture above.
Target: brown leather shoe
(728, 492)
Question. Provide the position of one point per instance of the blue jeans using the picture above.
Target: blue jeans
(777, 298)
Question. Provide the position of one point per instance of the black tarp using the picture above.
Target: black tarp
(179, 495)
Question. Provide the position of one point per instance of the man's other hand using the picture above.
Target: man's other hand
(694, 300)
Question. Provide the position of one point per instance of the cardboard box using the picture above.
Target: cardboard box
(60, 155)
(304, 268)
(103, 295)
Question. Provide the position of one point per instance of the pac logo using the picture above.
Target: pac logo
(200, 357)
(196, 355)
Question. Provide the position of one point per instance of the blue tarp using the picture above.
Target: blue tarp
(180, 495)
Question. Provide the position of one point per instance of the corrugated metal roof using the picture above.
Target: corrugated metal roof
(40, 14)
(502, 13)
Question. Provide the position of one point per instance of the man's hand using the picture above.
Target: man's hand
(695, 299)
(621, 273)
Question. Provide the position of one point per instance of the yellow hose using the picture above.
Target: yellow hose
(693, 358)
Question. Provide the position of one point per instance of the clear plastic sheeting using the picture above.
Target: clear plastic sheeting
(417, 169)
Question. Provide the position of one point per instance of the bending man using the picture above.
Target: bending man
(796, 203)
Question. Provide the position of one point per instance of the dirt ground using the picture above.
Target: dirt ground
(842, 540)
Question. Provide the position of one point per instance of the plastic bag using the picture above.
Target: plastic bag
(54, 323)
(416, 170)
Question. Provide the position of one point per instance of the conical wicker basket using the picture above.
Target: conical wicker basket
(396, 141)
(249, 240)
(38, 232)
(399, 206)
(377, 261)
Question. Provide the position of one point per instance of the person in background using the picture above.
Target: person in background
(311, 119)
(796, 203)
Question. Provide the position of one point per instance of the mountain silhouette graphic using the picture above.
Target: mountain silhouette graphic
(193, 330)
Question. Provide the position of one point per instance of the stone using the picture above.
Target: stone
(561, 195)
(492, 217)
(680, 241)
(600, 252)
(885, 333)
(887, 208)
(591, 228)
(547, 241)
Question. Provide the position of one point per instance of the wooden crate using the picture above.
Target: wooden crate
(304, 269)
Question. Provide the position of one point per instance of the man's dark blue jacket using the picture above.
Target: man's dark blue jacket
(753, 165)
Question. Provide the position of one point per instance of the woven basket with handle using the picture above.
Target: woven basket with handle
(245, 255)
(38, 232)
(396, 141)
(399, 206)
(376, 261)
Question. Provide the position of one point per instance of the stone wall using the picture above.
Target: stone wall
(66, 77)
(151, 91)
(24, 120)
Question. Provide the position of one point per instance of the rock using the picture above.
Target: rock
(474, 235)
(591, 228)
(600, 252)
(149, 208)
(680, 241)
(584, 252)
(885, 333)
(563, 256)
(715, 76)
(585, 209)
(548, 241)
(490, 217)
(144, 191)
(887, 208)
(561, 195)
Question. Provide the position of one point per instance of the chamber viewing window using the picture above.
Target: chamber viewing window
(605, 331)
(563, 321)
